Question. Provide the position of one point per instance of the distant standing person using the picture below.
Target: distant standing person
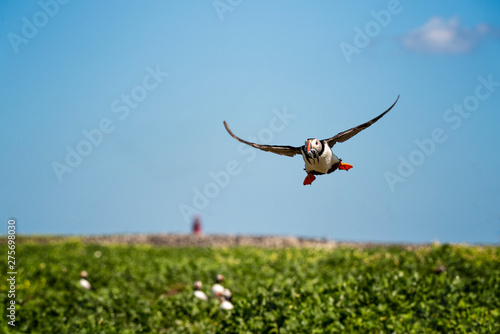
(197, 225)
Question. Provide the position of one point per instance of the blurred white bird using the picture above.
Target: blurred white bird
(225, 300)
(217, 288)
(223, 295)
(198, 293)
(226, 304)
(227, 294)
(84, 283)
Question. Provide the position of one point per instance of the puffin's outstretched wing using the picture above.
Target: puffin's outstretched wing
(283, 150)
(343, 136)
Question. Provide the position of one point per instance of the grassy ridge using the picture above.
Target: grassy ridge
(149, 289)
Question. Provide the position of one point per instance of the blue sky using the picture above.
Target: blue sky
(112, 117)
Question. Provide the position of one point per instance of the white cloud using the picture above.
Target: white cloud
(441, 36)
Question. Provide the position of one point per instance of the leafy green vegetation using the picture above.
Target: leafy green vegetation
(146, 289)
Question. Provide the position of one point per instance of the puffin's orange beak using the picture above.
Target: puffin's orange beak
(308, 146)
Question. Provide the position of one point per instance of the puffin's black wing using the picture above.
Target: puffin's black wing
(283, 150)
(343, 136)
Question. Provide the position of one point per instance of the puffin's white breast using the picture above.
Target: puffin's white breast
(217, 290)
(200, 295)
(226, 305)
(323, 163)
(85, 284)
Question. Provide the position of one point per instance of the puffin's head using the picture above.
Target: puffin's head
(197, 285)
(313, 147)
(227, 294)
(219, 278)
(83, 274)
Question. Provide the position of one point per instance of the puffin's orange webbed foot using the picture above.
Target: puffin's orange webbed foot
(309, 179)
(343, 166)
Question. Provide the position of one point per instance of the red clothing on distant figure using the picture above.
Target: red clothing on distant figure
(197, 225)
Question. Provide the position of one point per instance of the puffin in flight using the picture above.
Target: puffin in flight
(317, 154)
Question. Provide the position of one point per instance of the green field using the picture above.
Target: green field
(146, 289)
